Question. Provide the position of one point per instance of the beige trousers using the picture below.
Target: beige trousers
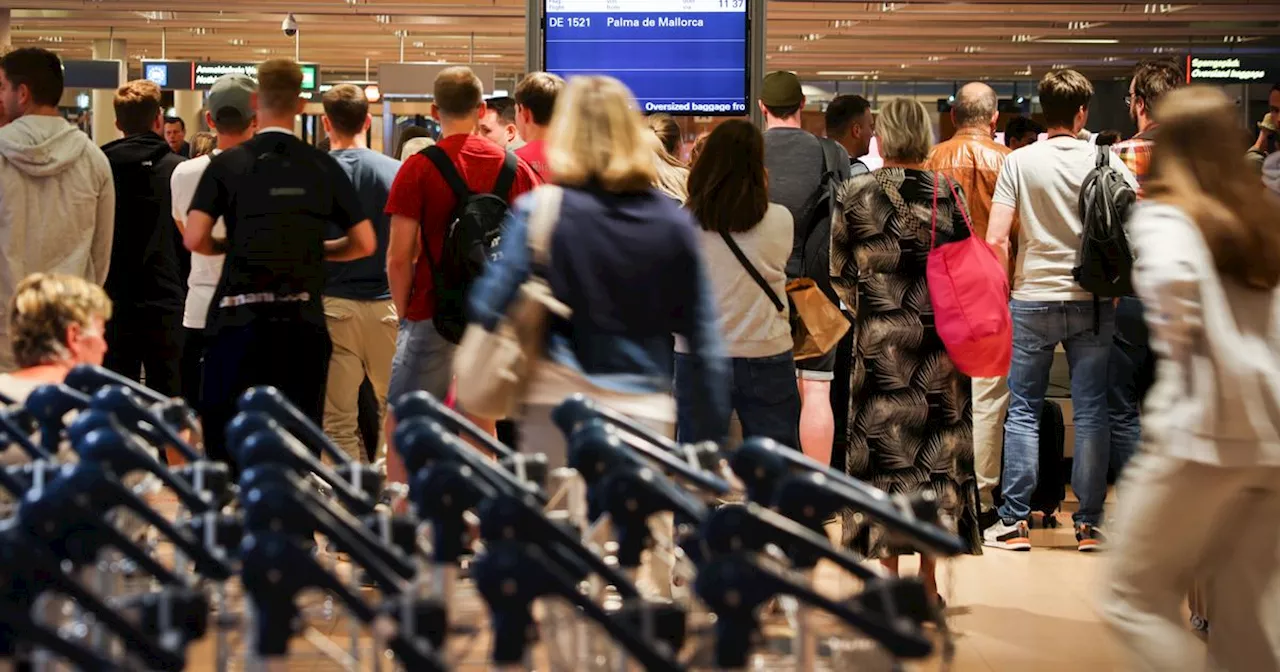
(364, 342)
(538, 434)
(990, 404)
(1180, 522)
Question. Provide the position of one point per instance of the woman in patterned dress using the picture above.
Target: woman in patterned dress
(910, 422)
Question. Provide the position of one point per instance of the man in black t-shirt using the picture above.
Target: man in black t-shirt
(277, 196)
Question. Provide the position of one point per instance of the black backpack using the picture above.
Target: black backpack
(1105, 263)
(470, 241)
(813, 260)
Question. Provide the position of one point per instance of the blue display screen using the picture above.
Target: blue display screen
(682, 57)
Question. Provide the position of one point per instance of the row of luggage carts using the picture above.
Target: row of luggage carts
(642, 554)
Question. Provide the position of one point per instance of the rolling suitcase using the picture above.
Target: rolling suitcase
(1051, 483)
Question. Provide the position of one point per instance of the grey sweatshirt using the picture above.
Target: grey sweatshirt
(57, 208)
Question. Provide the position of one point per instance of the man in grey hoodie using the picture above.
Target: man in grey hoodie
(57, 200)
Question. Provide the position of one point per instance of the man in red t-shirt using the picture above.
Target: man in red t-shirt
(535, 101)
(421, 205)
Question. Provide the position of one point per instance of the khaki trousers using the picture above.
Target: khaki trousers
(1179, 523)
(364, 343)
(990, 405)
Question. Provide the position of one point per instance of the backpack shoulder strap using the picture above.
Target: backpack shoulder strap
(1104, 156)
(751, 270)
(506, 176)
(448, 171)
(831, 160)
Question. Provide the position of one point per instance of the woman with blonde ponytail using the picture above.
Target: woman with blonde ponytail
(1202, 500)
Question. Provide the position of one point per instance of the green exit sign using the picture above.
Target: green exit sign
(310, 78)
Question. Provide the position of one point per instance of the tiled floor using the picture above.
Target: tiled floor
(1029, 611)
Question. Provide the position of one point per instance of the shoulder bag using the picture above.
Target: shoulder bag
(817, 325)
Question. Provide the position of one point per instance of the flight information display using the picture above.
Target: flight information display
(682, 57)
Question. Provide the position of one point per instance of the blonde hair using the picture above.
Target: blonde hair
(1197, 167)
(597, 137)
(203, 143)
(137, 106)
(457, 92)
(44, 305)
(668, 131)
(673, 177)
(279, 85)
(904, 131)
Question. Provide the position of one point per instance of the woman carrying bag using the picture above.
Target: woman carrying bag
(747, 241)
(622, 272)
(910, 427)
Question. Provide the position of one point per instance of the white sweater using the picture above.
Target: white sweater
(751, 325)
(1216, 399)
(57, 208)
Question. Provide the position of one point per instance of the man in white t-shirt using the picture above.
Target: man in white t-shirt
(231, 115)
(1040, 185)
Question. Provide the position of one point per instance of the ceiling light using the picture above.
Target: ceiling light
(934, 59)
(1060, 66)
(972, 50)
(1238, 39)
(847, 73)
(237, 42)
(158, 16)
(419, 45)
(1157, 8)
(1111, 59)
(264, 52)
(55, 39)
(1079, 40)
(1082, 25)
(382, 18)
(892, 6)
(844, 23)
(785, 47)
(1024, 73)
(400, 33)
(812, 37)
(1160, 50)
(201, 31)
(1025, 38)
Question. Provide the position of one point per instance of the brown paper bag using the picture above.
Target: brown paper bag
(817, 325)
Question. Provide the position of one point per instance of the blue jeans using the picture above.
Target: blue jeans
(1132, 373)
(1038, 327)
(763, 391)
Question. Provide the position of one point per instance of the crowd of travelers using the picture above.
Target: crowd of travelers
(773, 278)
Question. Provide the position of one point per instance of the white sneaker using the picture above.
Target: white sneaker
(1015, 537)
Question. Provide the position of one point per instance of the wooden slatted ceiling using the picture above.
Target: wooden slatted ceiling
(885, 40)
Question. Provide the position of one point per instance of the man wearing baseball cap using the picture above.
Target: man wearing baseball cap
(229, 112)
(798, 163)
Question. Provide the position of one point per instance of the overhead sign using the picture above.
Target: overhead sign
(174, 75)
(202, 74)
(103, 74)
(1232, 69)
(208, 72)
(417, 80)
(683, 57)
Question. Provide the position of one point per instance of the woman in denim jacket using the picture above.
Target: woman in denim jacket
(626, 261)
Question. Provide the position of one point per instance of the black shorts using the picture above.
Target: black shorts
(821, 368)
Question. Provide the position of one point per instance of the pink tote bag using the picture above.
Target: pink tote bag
(969, 288)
